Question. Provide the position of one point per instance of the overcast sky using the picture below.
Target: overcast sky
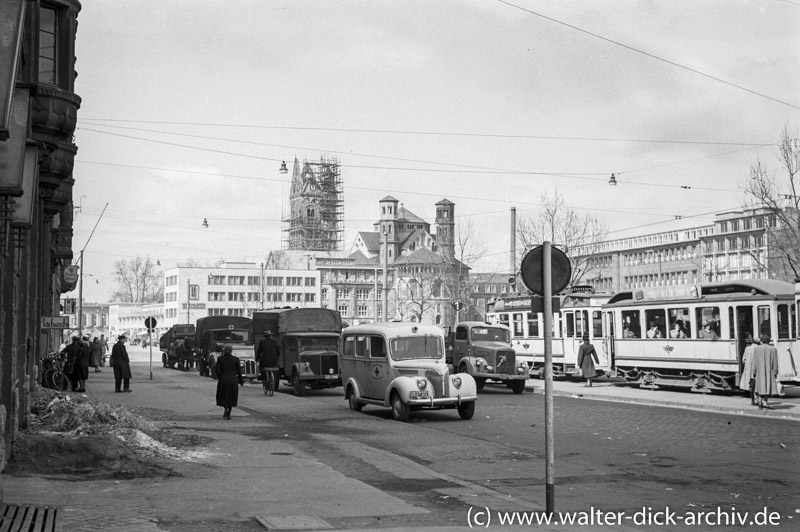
(190, 106)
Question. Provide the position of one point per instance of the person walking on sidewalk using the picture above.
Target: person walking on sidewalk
(122, 365)
(747, 381)
(587, 358)
(104, 347)
(97, 355)
(72, 361)
(765, 371)
(229, 374)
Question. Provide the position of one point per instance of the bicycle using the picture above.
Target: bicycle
(54, 376)
(269, 380)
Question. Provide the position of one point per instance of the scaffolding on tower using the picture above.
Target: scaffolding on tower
(315, 221)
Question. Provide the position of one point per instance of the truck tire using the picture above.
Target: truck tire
(400, 410)
(298, 385)
(354, 404)
(480, 382)
(517, 386)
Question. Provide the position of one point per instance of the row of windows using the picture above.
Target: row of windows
(667, 255)
(291, 281)
(733, 243)
(664, 279)
(362, 311)
(745, 224)
(171, 280)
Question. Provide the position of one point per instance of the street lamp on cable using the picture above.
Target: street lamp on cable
(612, 181)
(205, 223)
(283, 169)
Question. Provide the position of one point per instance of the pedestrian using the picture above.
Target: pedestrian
(104, 347)
(229, 373)
(765, 371)
(747, 381)
(72, 357)
(587, 358)
(97, 355)
(82, 365)
(267, 354)
(122, 365)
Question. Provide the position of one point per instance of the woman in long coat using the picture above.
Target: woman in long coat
(587, 358)
(121, 364)
(765, 371)
(229, 374)
(97, 355)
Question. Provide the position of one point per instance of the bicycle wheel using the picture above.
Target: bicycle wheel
(264, 381)
(270, 383)
(47, 378)
(60, 382)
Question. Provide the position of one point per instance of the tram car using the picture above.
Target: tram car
(697, 341)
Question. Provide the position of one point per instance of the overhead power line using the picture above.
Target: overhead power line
(652, 56)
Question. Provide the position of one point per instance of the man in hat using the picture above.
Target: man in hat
(765, 371)
(72, 358)
(122, 365)
(267, 354)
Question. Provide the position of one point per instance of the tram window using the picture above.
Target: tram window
(783, 322)
(503, 319)
(655, 323)
(631, 327)
(793, 313)
(680, 323)
(517, 329)
(597, 324)
(361, 346)
(533, 324)
(707, 322)
(581, 323)
(764, 321)
(569, 317)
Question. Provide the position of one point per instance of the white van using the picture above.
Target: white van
(402, 366)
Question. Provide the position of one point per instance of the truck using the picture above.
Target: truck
(212, 333)
(169, 340)
(485, 352)
(308, 339)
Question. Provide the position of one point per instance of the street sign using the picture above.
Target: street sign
(55, 322)
(71, 274)
(150, 323)
(69, 305)
(533, 273)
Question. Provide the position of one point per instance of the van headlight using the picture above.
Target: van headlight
(422, 384)
(457, 382)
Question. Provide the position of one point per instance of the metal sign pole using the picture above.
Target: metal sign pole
(150, 343)
(548, 379)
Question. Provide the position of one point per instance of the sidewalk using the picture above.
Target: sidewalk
(608, 389)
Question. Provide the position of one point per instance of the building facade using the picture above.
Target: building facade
(38, 113)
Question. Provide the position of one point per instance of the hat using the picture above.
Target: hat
(122, 337)
(227, 349)
(267, 332)
(764, 338)
(705, 322)
(586, 337)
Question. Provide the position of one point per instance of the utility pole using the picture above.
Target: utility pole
(385, 275)
(188, 291)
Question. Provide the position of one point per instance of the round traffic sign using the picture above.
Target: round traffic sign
(150, 323)
(532, 270)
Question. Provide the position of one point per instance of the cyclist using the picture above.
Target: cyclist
(267, 355)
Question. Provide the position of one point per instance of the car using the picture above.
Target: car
(402, 366)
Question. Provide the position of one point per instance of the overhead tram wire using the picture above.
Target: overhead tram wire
(571, 175)
(420, 133)
(652, 56)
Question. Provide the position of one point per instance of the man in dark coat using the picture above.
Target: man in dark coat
(122, 365)
(85, 355)
(72, 361)
(268, 352)
(229, 374)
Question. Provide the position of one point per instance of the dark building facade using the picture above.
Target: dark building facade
(38, 112)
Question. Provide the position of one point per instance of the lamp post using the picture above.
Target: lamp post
(80, 270)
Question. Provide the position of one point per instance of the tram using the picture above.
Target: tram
(694, 339)
(697, 341)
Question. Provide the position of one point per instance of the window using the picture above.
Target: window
(502, 319)
(631, 326)
(274, 281)
(343, 293)
(216, 280)
(764, 320)
(597, 324)
(216, 312)
(517, 330)
(194, 291)
(783, 322)
(343, 310)
(252, 280)
(324, 295)
(235, 312)
(236, 280)
(707, 323)
(311, 281)
(273, 297)
(377, 347)
(293, 297)
(680, 325)
(235, 296)
(311, 298)
(294, 281)
(47, 45)
(656, 323)
(363, 311)
(362, 294)
(533, 324)
(253, 296)
(216, 296)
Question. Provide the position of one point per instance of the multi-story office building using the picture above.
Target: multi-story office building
(235, 289)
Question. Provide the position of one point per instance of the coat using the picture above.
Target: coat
(97, 355)
(82, 364)
(747, 367)
(120, 361)
(72, 357)
(268, 353)
(765, 370)
(587, 358)
(229, 378)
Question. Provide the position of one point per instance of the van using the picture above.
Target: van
(402, 366)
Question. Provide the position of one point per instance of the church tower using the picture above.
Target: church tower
(316, 218)
(445, 228)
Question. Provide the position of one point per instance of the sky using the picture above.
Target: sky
(189, 107)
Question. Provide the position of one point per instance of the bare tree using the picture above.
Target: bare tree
(781, 197)
(138, 281)
(578, 236)
(469, 249)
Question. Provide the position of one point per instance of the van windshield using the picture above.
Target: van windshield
(415, 347)
(319, 344)
(229, 336)
(490, 334)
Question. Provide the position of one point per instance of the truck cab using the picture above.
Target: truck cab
(484, 351)
(212, 333)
